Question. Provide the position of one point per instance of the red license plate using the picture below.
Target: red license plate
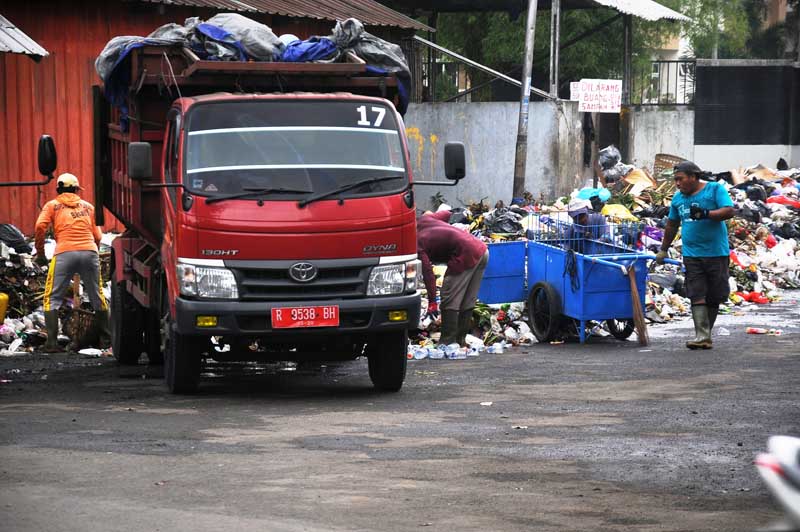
(293, 317)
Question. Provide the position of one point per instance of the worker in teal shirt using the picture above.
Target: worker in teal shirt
(700, 208)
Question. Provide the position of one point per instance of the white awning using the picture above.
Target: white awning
(646, 9)
(13, 40)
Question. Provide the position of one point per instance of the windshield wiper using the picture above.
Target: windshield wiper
(252, 191)
(345, 188)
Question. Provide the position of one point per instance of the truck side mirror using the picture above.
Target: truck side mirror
(140, 161)
(455, 166)
(47, 156)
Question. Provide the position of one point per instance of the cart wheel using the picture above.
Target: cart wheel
(620, 329)
(544, 312)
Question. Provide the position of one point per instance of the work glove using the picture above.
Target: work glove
(698, 213)
(433, 311)
(660, 256)
(41, 259)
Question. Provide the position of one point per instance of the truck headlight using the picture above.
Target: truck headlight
(204, 281)
(392, 279)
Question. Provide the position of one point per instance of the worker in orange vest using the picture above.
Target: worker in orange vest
(77, 240)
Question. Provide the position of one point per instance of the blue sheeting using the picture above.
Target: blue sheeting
(313, 49)
(222, 36)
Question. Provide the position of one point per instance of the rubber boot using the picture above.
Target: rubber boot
(103, 332)
(702, 328)
(713, 310)
(464, 326)
(449, 327)
(51, 327)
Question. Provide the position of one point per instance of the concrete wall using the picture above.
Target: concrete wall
(488, 131)
(658, 129)
(720, 158)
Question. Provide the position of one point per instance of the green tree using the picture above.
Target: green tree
(497, 40)
(719, 28)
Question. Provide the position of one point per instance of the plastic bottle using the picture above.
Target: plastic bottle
(496, 348)
(419, 353)
(756, 330)
(435, 353)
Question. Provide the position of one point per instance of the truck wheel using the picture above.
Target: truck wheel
(621, 329)
(152, 338)
(544, 312)
(387, 360)
(127, 341)
(182, 362)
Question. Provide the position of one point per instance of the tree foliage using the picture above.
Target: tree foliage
(497, 39)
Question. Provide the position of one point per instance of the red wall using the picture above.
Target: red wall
(54, 96)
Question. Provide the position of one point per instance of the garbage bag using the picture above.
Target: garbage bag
(381, 56)
(618, 211)
(617, 172)
(13, 238)
(608, 157)
(588, 192)
(234, 37)
(502, 221)
(460, 216)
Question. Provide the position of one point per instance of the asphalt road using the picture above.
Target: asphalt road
(604, 436)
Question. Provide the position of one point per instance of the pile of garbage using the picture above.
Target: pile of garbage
(764, 236)
(22, 284)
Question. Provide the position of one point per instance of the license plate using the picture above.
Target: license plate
(294, 317)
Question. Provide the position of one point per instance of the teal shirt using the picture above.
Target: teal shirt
(702, 238)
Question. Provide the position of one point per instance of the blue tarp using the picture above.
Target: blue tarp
(313, 49)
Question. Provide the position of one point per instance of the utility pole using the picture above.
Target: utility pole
(555, 37)
(524, 103)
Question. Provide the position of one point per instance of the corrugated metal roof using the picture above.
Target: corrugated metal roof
(14, 41)
(367, 11)
(646, 9)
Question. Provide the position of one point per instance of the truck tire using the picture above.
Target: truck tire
(544, 312)
(387, 360)
(621, 329)
(182, 362)
(127, 340)
(152, 338)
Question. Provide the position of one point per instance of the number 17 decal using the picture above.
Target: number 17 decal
(362, 111)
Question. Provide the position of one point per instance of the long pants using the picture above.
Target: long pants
(460, 290)
(62, 267)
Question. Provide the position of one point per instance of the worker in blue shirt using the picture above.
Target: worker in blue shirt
(700, 208)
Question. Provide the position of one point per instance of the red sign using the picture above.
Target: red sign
(294, 317)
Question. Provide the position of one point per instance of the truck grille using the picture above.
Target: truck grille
(272, 283)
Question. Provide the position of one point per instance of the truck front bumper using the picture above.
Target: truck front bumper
(253, 318)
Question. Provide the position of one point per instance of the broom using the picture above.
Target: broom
(636, 305)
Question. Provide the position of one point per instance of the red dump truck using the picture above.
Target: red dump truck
(269, 215)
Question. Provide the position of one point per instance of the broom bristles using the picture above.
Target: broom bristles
(638, 313)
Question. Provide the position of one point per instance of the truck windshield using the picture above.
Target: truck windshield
(309, 146)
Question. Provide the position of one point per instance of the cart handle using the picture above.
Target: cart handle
(608, 261)
(667, 261)
(622, 268)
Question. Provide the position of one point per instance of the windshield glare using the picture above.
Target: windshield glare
(309, 145)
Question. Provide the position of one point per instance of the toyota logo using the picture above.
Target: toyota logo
(303, 272)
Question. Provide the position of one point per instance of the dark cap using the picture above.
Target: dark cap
(687, 167)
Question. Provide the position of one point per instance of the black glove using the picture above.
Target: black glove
(41, 260)
(697, 213)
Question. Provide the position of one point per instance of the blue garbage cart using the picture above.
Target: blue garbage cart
(569, 274)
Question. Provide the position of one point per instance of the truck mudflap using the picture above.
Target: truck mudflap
(255, 318)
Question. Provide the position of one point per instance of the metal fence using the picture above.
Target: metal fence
(435, 76)
(665, 83)
(606, 238)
